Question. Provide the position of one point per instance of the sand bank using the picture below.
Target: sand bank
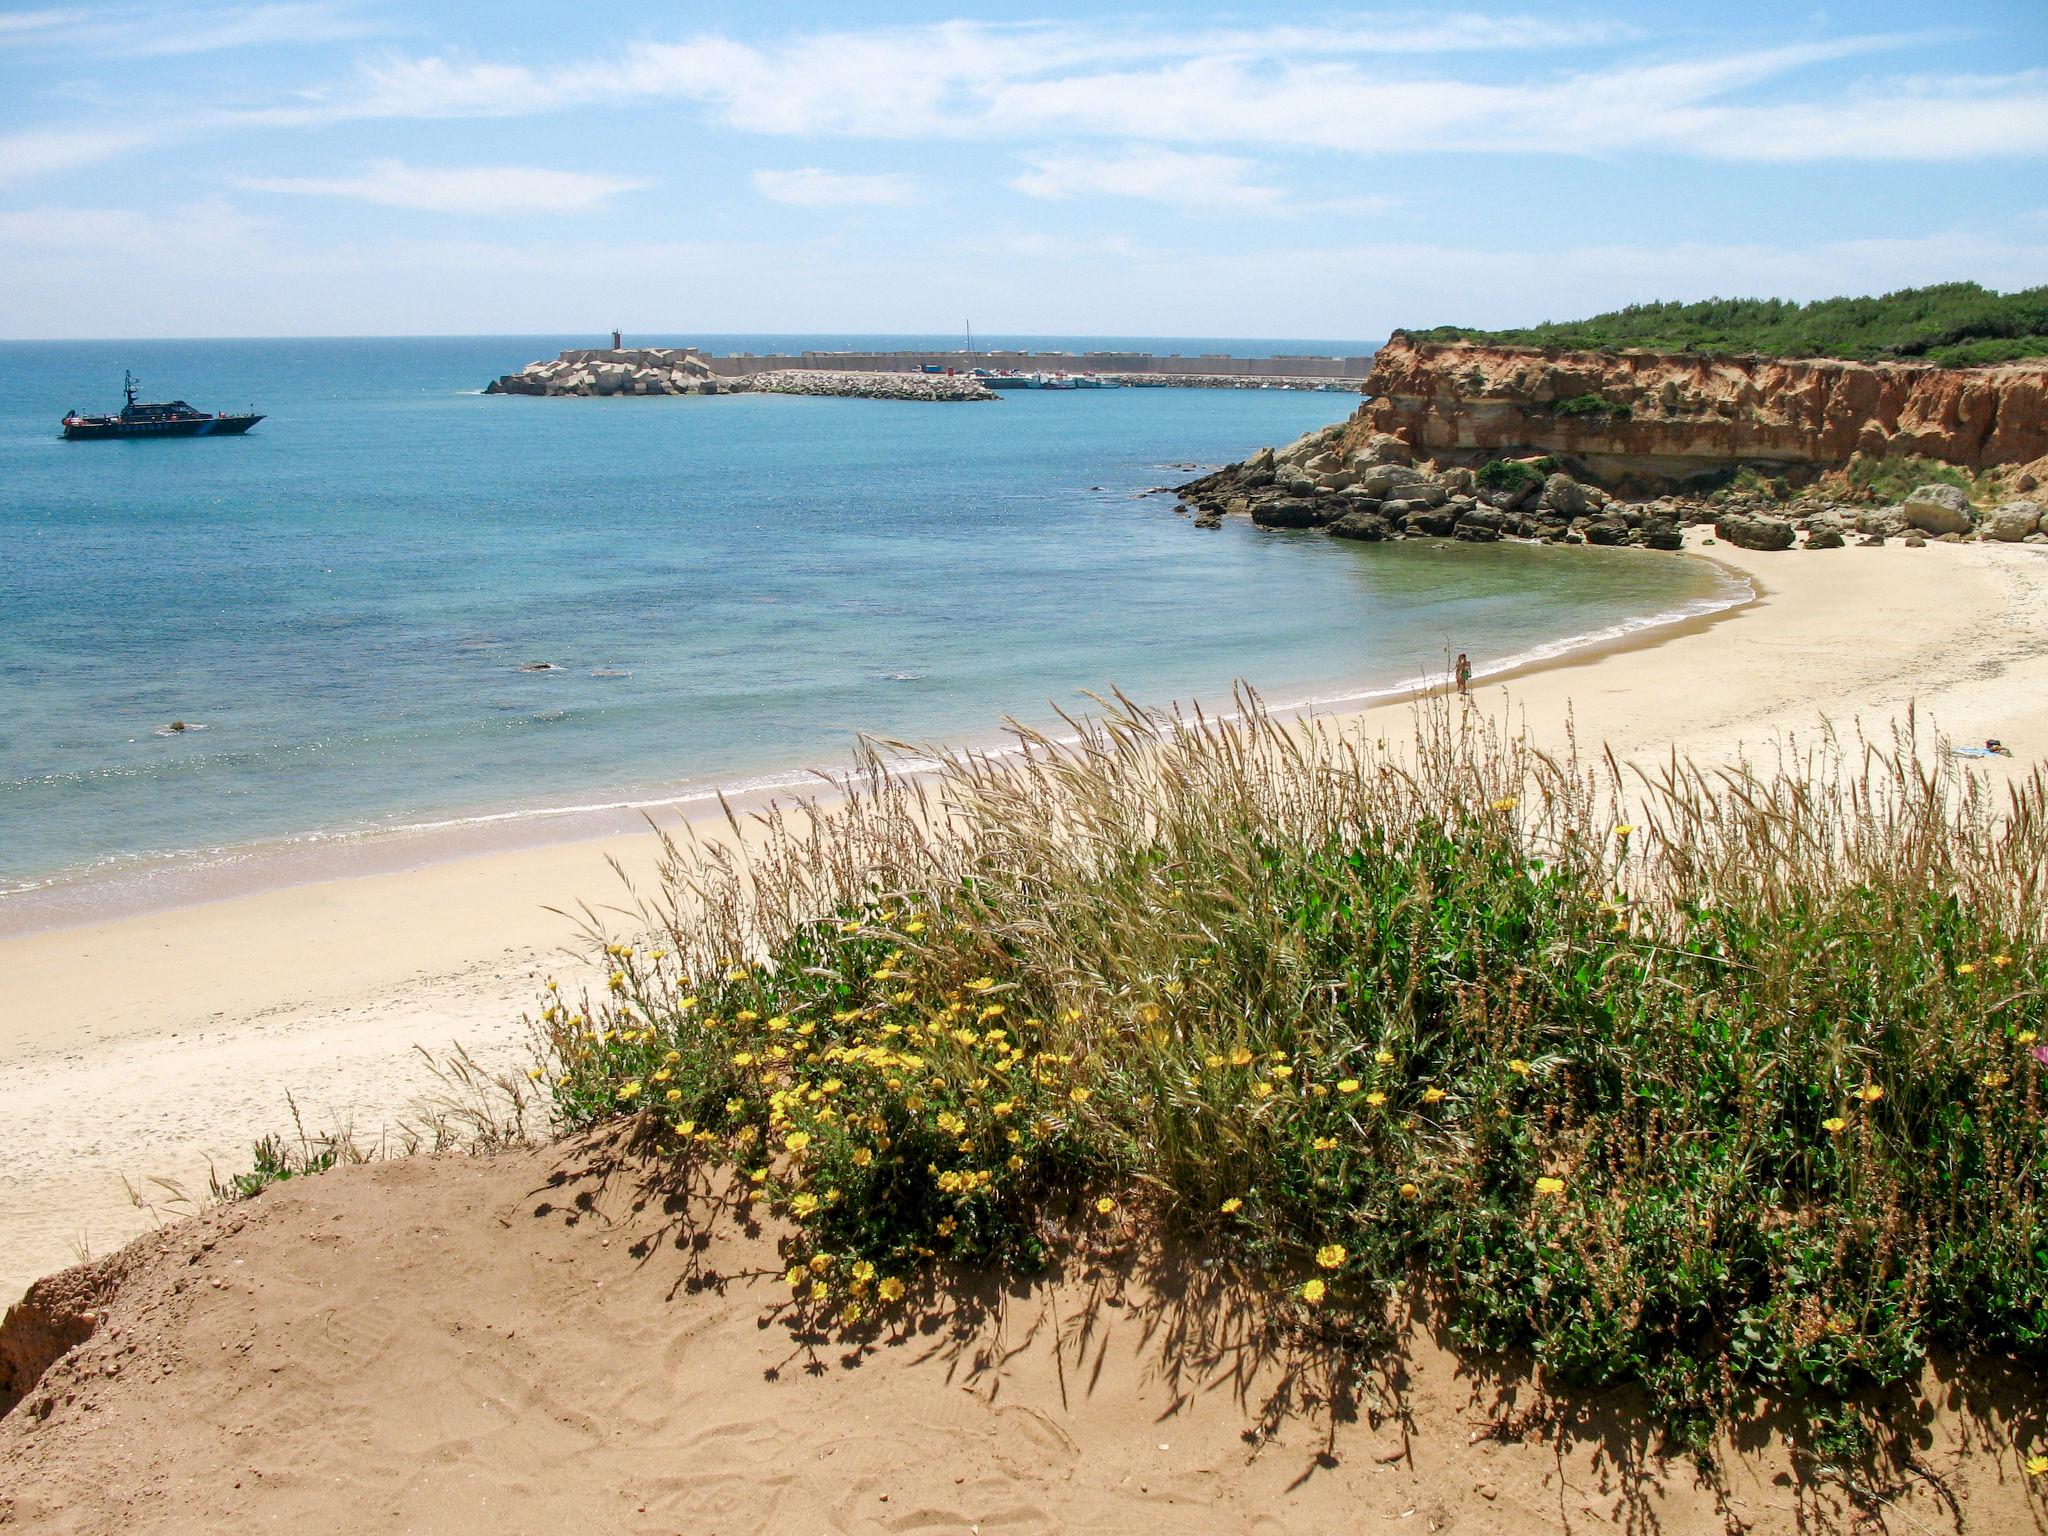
(338, 1356)
(152, 1046)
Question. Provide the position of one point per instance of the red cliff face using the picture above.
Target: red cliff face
(1624, 415)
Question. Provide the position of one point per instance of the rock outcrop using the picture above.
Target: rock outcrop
(1633, 418)
(1369, 487)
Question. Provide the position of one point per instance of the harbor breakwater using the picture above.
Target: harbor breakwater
(902, 375)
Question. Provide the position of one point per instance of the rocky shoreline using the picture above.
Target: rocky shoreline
(1378, 491)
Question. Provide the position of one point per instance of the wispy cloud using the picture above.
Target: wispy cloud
(812, 187)
(37, 152)
(1364, 89)
(471, 189)
(1154, 175)
(165, 30)
(1198, 182)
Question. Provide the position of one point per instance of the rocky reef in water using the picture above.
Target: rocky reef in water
(1373, 487)
(1635, 420)
(684, 371)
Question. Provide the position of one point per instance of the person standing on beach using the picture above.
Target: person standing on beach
(1464, 673)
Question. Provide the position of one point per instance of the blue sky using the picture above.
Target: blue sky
(339, 167)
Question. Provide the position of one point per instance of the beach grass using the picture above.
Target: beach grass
(1726, 1083)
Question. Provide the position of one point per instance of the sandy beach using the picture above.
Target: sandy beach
(155, 1047)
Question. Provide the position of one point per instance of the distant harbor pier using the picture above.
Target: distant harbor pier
(962, 375)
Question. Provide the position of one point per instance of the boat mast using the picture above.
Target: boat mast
(128, 383)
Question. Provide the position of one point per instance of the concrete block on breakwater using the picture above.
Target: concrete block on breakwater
(901, 375)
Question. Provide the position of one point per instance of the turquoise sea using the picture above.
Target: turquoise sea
(344, 604)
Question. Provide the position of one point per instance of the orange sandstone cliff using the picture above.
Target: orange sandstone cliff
(1662, 415)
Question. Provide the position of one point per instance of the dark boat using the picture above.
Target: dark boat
(166, 418)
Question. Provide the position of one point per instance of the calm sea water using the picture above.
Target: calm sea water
(729, 590)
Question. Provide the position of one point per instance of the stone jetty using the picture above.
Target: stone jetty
(686, 371)
(622, 370)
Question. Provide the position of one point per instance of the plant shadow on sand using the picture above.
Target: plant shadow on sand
(1123, 1301)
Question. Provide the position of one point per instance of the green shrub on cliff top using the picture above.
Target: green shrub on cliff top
(1955, 323)
(1744, 1097)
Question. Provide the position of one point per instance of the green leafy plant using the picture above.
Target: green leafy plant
(1739, 1097)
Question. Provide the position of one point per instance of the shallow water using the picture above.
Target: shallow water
(349, 601)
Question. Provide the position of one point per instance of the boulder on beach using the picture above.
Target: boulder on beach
(1938, 509)
(2013, 521)
(1825, 536)
(1747, 530)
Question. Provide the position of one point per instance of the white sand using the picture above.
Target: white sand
(155, 1045)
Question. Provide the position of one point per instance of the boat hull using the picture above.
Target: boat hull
(86, 431)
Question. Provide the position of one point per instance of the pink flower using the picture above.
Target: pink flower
(2041, 1054)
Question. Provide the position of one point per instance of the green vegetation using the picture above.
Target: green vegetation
(1592, 405)
(1893, 479)
(1740, 1098)
(1960, 324)
(1512, 474)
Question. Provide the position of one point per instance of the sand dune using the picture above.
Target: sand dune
(557, 1339)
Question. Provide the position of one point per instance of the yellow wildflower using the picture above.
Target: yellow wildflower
(1105, 1205)
(946, 1227)
(804, 1205)
(1375, 1098)
(1870, 1093)
(1078, 1095)
(1384, 1057)
(1325, 1143)
(1966, 969)
(1505, 803)
(795, 1277)
(1349, 1085)
(1409, 1191)
(628, 1092)
(1996, 1079)
(1519, 1067)
(863, 1271)
(1432, 1095)
(1232, 1206)
(2026, 1037)
(1262, 1090)
(890, 1289)
(820, 1290)
(2001, 961)
(1331, 1256)
(1833, 1125)
(1549, 1186)
(1240, 1057)
(796, 1141)
(1313, 1291)
(2037, 1466)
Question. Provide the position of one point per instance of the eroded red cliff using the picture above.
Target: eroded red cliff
(1623, 415)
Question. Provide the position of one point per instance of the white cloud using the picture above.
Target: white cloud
(473, 189)
(815, 188)
(1354, 88)
(1154, 175)
(37, 152)
(164, 30)
(1197, 182)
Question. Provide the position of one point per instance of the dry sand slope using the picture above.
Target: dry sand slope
(551, 1341)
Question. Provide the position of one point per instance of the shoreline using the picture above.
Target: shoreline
(153, 884)
(146, 1046)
